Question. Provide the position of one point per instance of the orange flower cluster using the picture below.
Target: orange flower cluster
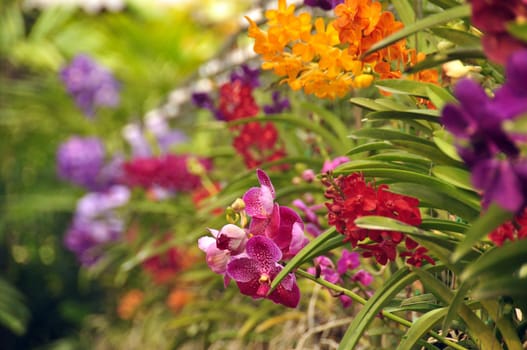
(327, 61)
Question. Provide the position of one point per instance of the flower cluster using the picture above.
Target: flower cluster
(327, 62)
(492, 17)
(90, 84)
(510, 230)
(81, 160)
(170, 172)
(250, 256)
(351, 197)
(96, 223)
(492, 153)
(256, 142)
(348, 261)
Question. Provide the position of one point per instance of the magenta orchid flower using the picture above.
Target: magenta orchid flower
(348, 261)
(363, 277)
(216, 258)
(259, 201)
(231, 238)
(330, 165)
(254, 273)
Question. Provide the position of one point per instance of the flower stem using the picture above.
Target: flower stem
(361, 300)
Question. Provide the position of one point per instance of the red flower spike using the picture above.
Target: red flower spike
(351, 197)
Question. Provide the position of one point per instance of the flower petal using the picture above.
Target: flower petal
(243, 270)
(265, 181)
(264, 251)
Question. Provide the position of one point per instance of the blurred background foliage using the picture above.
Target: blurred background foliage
(151, 47)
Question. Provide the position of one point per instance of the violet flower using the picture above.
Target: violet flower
(348, 261)
(247, 75)
(96, 223)
(323, 4)
(90, 84)
(231, 238)
(253, 274)
(327, 269)
(363, 277)
(80, 160)
(279, 104)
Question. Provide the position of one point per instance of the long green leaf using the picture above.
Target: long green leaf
(456, 176)
(440, 57)
(455, 304)
(456, 36)
(428, 22)
(339, 128)
(405, 115)
(477, 329)
(494, 217)
(420, 327)
(502, 260)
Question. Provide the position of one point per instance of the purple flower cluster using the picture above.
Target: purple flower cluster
(96, 223)
(159, 129)
(90, 84)
(80, 160)
(347, 262)
(491, 152)
(252, 260)
(323, 4)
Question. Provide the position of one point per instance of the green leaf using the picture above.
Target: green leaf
(458, 37)
(438, 58)
(420, 327)
(492, 218)
(445, 142)
(502, 260)
(477, 329)
(389, 135)
(371, 309)
(511, 286)
(14, 314)
(405, 11)
(371, 146)
(443, 225)
(428, 115)
(367, 103)
(456, 176)
(336, 124)
(455, 304)
(426, 23)
(414, 88)
(304, 254)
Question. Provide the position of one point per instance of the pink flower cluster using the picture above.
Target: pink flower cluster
(250, 256)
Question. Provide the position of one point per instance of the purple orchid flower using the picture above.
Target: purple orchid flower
(253, 274)
(348, 261)
(90, 84)
(279, 104)
(363, 277)
(327, 269)
(216, 258)
(247, 75)
(281, 224)
(323, 4)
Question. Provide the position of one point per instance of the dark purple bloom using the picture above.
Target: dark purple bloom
(476, 120)
(203, 100)
(247, 75)
(80, 160)
(510, 100)
(253, 274)
(96, 223)
(323, 4)
(90, 84)
(279, 104)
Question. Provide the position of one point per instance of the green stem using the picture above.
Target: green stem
(361, 300)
